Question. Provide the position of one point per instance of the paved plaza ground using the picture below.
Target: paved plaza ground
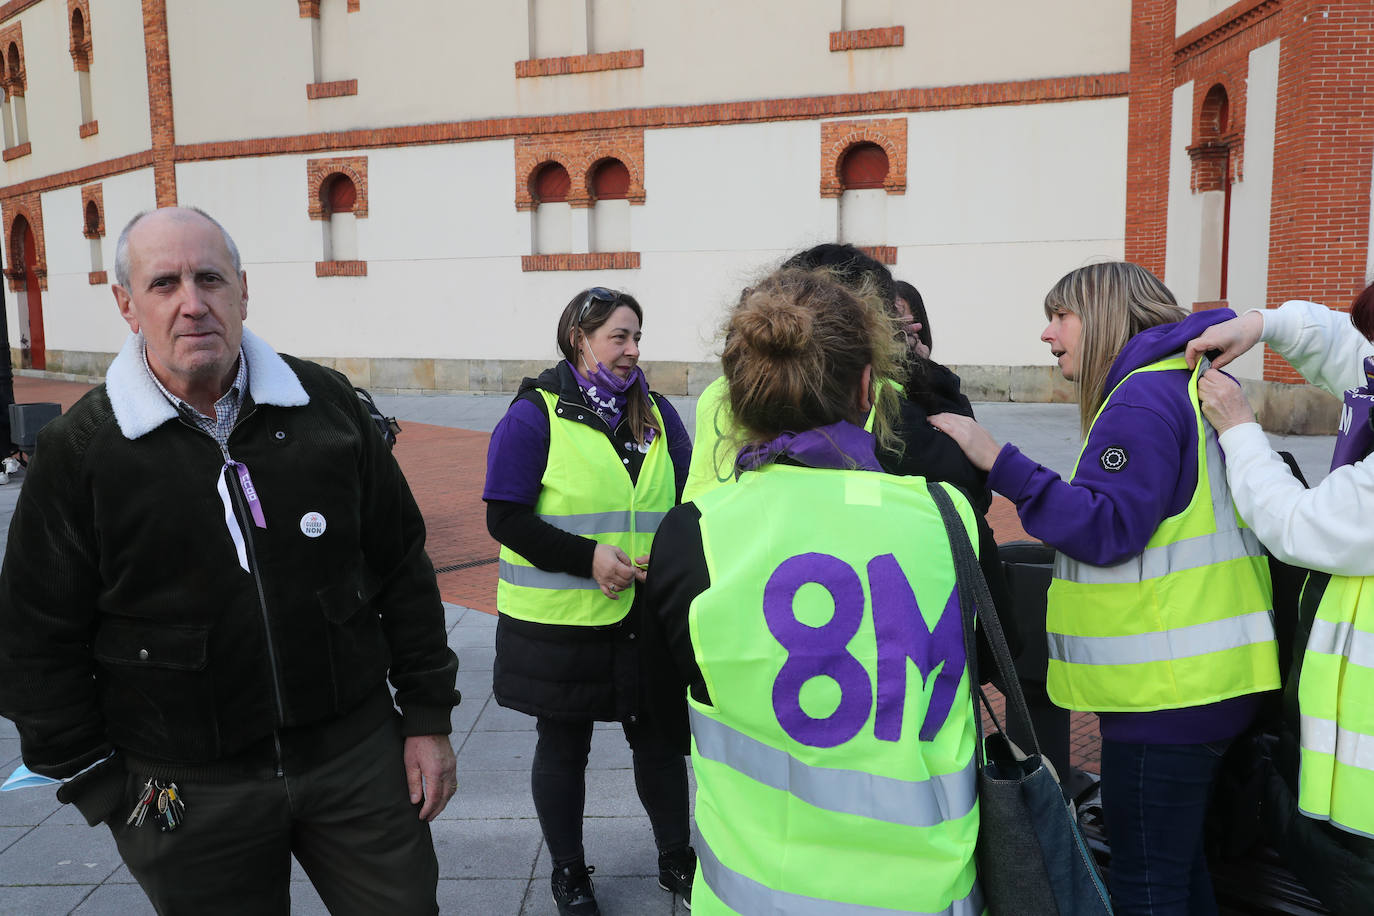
(492, 858)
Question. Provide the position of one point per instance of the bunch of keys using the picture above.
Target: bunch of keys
(164, 800)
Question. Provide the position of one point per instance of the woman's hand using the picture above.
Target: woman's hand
(978, 445)
(1223, 400)
(613, 571)
(1232, 338)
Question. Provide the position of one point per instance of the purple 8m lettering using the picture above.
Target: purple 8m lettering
(901, 634)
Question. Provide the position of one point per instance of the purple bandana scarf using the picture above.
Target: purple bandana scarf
(607, 393)
(838, 445)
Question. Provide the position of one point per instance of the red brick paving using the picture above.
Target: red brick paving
(446, 467)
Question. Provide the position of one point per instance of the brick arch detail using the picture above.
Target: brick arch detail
(625, 158)
(92, 193)
(319, 171)
(81, 52)
(1209, 153)
(838, 136)
(579, 152)
(13, 35)
(555, 157)
(27, 206)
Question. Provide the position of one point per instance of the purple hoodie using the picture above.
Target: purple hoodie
(1137, 468)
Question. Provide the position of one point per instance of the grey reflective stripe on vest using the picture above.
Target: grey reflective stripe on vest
(533, 577)
(606, 522)
(1352, 748)
(1163, 645)
(1156, 562)
(913, 803)
(1330, 638)
(745, 895)
(1229, 542)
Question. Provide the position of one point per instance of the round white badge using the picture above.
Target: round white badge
(312, 524)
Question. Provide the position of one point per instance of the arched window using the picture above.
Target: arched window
(14, 87)
(1212, 180)
(81, 60)
(1216, 113)
(338, 196)
(863, 167)
(92, 230)
(549, 186)
(609, 226)
(863, 200)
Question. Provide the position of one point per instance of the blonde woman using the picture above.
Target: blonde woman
(1159, 612)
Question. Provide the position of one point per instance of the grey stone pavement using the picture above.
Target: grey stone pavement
(492, 859)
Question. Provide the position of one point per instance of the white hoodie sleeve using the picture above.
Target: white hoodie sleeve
(1321, 343)
(1326, 528)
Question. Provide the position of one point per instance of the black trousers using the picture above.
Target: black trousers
(558, 782)
(348, 821)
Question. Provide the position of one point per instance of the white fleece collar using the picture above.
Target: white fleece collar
(140, 408)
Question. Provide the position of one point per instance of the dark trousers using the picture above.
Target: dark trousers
(348, 821)
(558, 782)
(1154, 800)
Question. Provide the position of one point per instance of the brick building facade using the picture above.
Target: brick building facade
(1227, 147)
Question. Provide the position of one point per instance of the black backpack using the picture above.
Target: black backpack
(386, 426)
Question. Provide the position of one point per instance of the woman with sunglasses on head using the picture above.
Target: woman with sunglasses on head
(1159, 614)
(579, 472)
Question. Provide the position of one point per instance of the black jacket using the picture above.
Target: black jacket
(128, 623)
(564, 672)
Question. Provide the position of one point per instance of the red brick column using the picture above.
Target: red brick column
(1319, 219)
(160, 101)
(1147, 142)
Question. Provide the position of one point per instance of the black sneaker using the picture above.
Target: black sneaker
(572, 891)
(675, 872)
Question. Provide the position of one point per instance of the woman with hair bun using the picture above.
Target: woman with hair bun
(810, 611)
(1159, 613)
(579, 472)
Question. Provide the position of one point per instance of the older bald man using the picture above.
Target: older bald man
(214, 569)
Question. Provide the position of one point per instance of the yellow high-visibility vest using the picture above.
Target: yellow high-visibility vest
(585, 490)
(1186, 622)
(834, 764)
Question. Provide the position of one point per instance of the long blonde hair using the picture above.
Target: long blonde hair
(1114, 301)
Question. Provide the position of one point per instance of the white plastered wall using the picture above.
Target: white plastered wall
(986, 227)
(77, 315)
(1248, 250)
(1183, 240)
(1248, 269)
(119, 89)
(1190, 14)
(983, 230)
(418, 62)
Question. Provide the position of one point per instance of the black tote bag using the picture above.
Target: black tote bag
(1031, 857)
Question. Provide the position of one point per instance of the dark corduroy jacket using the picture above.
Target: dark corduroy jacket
(127, 623)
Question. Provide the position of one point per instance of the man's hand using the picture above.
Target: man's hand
(1232, 338)
(978, 445)
(1223, 401)
(431, 772)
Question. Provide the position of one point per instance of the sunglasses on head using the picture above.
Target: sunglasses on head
(596, 294)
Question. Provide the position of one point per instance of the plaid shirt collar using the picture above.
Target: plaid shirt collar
(226, 408)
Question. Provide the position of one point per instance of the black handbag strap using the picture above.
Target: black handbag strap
(975, 604)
